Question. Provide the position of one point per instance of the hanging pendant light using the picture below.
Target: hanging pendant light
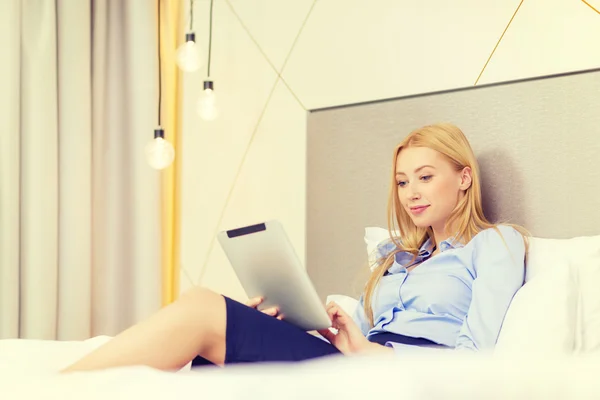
(159, 152)
(206, 106)
(188, 56)
(207, 103)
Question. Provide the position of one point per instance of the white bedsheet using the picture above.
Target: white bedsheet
(28, 370)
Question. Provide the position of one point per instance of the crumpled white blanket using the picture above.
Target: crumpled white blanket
(28, 370)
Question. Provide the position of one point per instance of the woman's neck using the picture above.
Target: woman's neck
(438, 237)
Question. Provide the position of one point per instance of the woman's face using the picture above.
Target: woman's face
(428, 186)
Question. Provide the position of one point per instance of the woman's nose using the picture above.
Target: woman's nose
(412, 194)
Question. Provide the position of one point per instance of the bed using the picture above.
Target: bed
(434, 376)
(537, 142)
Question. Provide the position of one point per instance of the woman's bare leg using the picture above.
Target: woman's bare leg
(168, 340)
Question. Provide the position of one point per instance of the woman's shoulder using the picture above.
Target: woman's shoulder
(497, 232)
(500, 237)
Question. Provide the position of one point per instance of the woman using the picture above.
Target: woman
(447, 280)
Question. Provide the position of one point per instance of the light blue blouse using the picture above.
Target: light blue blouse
(457, 298)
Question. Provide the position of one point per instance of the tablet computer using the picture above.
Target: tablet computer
(267, 265)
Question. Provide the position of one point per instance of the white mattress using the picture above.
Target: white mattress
(28, 370)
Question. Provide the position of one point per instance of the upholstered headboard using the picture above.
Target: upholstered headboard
(537, 142)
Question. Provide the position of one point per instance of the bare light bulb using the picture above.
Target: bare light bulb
(159, 153)
(207, 103)
(188, 54)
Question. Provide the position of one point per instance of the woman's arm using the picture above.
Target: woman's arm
(349, 339)
(500, 272)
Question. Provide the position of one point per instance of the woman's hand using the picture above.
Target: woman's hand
(349, 339)
(272, 311)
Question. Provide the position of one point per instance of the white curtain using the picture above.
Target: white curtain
(79, 207)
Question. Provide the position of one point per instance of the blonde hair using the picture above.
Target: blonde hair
(467, 218)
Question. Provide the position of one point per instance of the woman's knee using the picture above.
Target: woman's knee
(199, 294)
(209, 311)
(204, 303)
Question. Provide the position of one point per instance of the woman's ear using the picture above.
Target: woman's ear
(465, 178)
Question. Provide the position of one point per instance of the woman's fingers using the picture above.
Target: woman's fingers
(337, 315)
(332, 312)
(273, 311)
(327, 334)
(334, 306)
(333, 309)
(254, 302)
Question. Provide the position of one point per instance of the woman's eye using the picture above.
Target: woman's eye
(426, 178)
(401, 183)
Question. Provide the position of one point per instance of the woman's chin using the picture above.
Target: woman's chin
(421, 224)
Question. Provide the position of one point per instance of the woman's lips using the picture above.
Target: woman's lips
(418, 209)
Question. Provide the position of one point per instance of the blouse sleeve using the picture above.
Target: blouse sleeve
(499, 263)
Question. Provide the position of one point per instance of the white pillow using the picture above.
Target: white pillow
(588, 327)
(373, 236)
(546, 253)
(542, 316)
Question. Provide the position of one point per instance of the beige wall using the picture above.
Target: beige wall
(274, 59)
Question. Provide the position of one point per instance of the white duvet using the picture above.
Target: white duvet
(28, 370)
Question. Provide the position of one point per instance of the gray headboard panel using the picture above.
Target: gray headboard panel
(537, 142)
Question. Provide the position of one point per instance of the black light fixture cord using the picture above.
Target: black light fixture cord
(159, 66)
(191, 15)
(210, 37)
